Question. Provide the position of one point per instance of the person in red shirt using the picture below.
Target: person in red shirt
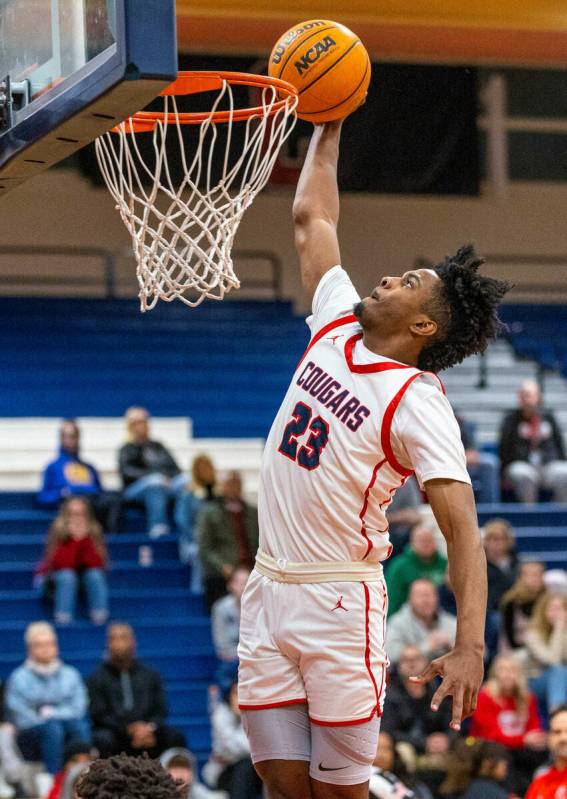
(75, 557)
(507, 713)
(552, 783)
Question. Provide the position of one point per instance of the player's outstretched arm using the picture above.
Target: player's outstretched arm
(462, 669)
(316, 207)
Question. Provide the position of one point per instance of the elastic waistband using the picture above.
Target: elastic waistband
(286, 571)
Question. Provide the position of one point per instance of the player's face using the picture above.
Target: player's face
(397, 301)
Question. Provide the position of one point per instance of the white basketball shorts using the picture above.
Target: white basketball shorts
(315, 643)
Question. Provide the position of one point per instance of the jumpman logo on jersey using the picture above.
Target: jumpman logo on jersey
(334, 338)
(339, 605)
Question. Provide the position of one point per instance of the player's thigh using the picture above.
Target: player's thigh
(341, 759)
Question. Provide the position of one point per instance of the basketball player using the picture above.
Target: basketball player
(364, 411)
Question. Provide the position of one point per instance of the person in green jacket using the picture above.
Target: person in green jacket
(419, 559)
(227, 531)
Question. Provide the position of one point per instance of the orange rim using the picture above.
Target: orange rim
(196, 82)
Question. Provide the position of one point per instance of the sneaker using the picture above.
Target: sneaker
(159, 530)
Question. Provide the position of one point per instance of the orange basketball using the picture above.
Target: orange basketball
(329, 66)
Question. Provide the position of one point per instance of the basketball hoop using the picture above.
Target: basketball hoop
(182, 235)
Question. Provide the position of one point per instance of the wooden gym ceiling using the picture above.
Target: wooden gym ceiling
(512, 32)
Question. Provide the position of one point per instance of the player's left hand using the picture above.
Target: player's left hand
(461, 671)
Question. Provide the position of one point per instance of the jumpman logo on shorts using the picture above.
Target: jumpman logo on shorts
(339, 605)
(334, 338)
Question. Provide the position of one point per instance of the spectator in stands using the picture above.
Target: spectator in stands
(518, 603)
(228, 537)
(403, 513)
(225, 617)
(75, 557)
(46, 700)
(200, 490)
(70, 476)
(149, 472)
(483, 467)
(501, 565)
(128, 706)
(181, 766)
(229, 767)
(531, 449)
(407, 714)
(507, 714)
(419, 559)
(76, 753)
(390, 778)
(552, 782)
(546, 643)
(476, 770)
(420, 623)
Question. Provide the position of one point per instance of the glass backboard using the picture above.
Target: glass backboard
(71, 69)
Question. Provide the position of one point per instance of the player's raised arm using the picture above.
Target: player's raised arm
(461, 669)
(316, 207)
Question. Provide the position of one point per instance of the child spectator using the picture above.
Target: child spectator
(75, 557)
(518, 603)
(546, 643)
(201, 490)
(390, 778)
(181, 766)
(507, 714)
(476, 770)
(225, 617)
(230, 766)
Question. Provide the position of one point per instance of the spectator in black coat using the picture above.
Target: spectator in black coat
(531, 449)
(407, 712)
(149, 472)
(501, 566)
(128, 706)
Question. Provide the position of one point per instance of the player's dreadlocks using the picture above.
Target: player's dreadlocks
(123, 777)
(465, 308)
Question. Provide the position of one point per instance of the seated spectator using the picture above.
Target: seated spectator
(390, 778)
(531, 449)
(124, 777)
(421, 624)
(128, 707)
(225, 617)
(76, 754)
(75, 557)
(228, 537)
(518, 603)
(501, 564)
(181, 766)
(476, 770)
(149, 472)
(407, 713)
(200, 490)
(420, 558)
(70, 476)
(551, 783)
(229, 766)
(403, 513)
(46, 700)
(483, 467)
(507, 714)
(546, 643)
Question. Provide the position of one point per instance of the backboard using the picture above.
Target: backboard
(72, 69)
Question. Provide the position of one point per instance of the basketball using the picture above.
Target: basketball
(329, 66)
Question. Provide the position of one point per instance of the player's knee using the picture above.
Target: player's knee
(285, 779)
(325, 790)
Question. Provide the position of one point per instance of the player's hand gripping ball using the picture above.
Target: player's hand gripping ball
(329, 66)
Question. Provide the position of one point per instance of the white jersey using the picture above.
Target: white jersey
(351, 429)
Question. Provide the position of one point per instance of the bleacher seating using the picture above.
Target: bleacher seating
(538, 332)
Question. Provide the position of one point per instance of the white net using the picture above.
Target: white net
(182, 235)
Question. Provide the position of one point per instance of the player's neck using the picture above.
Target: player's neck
(396, 347)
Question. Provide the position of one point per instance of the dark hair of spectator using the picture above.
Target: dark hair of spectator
(469, 760)
(59, 529)
(124, 777)
(556, 711)
(465, 309)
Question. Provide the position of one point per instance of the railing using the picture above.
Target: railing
(107, 279)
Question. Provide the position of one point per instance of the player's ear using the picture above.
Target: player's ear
(423, 326)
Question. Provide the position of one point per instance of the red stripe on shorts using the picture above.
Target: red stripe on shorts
(274, 704)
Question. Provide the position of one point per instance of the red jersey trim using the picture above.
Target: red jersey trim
(368, 368)
(343, 320)
(364, 508)
(274, 704)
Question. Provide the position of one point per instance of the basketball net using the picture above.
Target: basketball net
(182, 236)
